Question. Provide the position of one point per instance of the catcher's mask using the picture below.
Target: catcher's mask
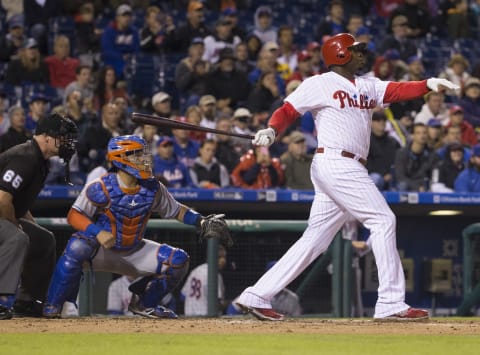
(130, 154)
(65, 132)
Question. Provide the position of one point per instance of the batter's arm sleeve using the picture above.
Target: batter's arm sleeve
(402, 91)
(283, 117)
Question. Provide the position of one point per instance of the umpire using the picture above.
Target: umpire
(27, 250)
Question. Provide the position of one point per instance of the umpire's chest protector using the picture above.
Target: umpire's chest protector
(126, 210)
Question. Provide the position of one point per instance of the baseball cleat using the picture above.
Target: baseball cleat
(157, 312)
(52, 311)
(23, 308)
(261, 313)
(409, 315)
(5, 313)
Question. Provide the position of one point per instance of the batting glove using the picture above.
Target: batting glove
(264, 137)
(438, 84)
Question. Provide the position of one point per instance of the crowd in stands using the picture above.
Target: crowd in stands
(228, 65)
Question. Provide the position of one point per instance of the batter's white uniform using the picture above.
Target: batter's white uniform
(195, 291)
(119, 296)
(342, 112)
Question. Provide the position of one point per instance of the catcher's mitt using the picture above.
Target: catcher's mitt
(214, 226)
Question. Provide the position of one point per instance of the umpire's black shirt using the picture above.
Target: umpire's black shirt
(23, 171)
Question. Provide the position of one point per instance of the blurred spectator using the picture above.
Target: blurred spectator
(333, 23)
(296, 163)
(354, 23)
(37, 16)
(469, 138)
(119, 296)
(237, 29)
(37, 105)
(416, 70)
(242, 119)
(315, 51)
(208, 106)
(267, 62)
(29, 67)
(460, 20)
(124, 111)
(195, 27)
(229, 86)
(185, 149)
(11, 8)
(16, 134)
(195, 289)
(4, 119)
(452, 135)
(81, 115)
(363, 35)
(81, 83)
(162, 104)
(192, 72)
(382, 69)
(257, 170)
(288, 53)
(158, 33)
(206, 172)
(61, 66)
(434, 134)
(447, 170)
(106, 88)
(263, 27)
(400, 129)
(457, 72)
(470, 101)
(92, 147)
(87, 36)
(254, 46)
(399, 39)
(167, 166)
(11, 43)
(414, 163)
(304, 67)
(120, 40)
(381, 156)
(222, 38)
(226, 152)
(242, 63)
(417, 16)
(434, 107)
(193, 115)
(469, 179)
(150, 134)
(263, 96)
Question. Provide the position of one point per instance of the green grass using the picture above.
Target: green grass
(244, 344)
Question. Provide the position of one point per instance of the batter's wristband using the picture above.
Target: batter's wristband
(93, 229)
(191, 217)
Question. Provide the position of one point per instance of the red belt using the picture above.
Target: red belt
(345, 154)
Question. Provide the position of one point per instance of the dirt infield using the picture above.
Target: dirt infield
(239, 325)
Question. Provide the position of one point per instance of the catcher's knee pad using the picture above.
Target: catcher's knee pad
(68, 271)
(173, 263)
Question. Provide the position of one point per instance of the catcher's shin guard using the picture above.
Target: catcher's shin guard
(66, 278)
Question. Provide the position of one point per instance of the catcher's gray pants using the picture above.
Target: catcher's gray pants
(27, 257)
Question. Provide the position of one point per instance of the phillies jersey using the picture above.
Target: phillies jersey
(342, 109)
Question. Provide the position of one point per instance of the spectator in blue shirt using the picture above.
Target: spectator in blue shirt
(167, 167)
(120, 40)
(185, 148)
(469, 179)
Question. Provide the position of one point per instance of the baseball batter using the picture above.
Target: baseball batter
(342, 105)
(110, 216)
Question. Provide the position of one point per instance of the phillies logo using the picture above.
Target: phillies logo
(362, 102)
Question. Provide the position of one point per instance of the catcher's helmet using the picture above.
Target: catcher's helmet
(336, 49)
(129, 153)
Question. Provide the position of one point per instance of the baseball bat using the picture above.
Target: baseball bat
(166, 122)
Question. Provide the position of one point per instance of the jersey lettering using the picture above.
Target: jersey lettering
(361, 102)
(196, 288)
(13, 178)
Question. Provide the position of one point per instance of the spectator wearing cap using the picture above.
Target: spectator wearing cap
(468, 136)
(208, 106)
(185, 148)
(120, 40)
(382, 151)
(296, 163)
(226, 152)
(263, 24)
(333, 23)
(398, 39)
(418, 18)
(207, 172)
(434, 134)
(158, 33)
(194, 27)
(242, 63)
(470, 101)
(447, 169)
(16, 133)
(61, 66)
(191, 73)
(37, 109)
(469, 179)
(457, 72)
(287, 55)
(304, 67)
(434, 107)
(241, 121)
(229, 86)
(29, 67)
(12, 42)
(222, 38)
(167, 166)
(237, 30)
(162, 104)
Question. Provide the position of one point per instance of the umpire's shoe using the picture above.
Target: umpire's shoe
(157, 312)
(5, 313)
(6, 302)
(261, 313)
(28, 308)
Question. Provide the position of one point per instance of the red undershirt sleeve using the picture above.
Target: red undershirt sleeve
(283, 117)
(402, 91)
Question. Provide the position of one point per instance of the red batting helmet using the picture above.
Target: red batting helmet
(336, 51)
